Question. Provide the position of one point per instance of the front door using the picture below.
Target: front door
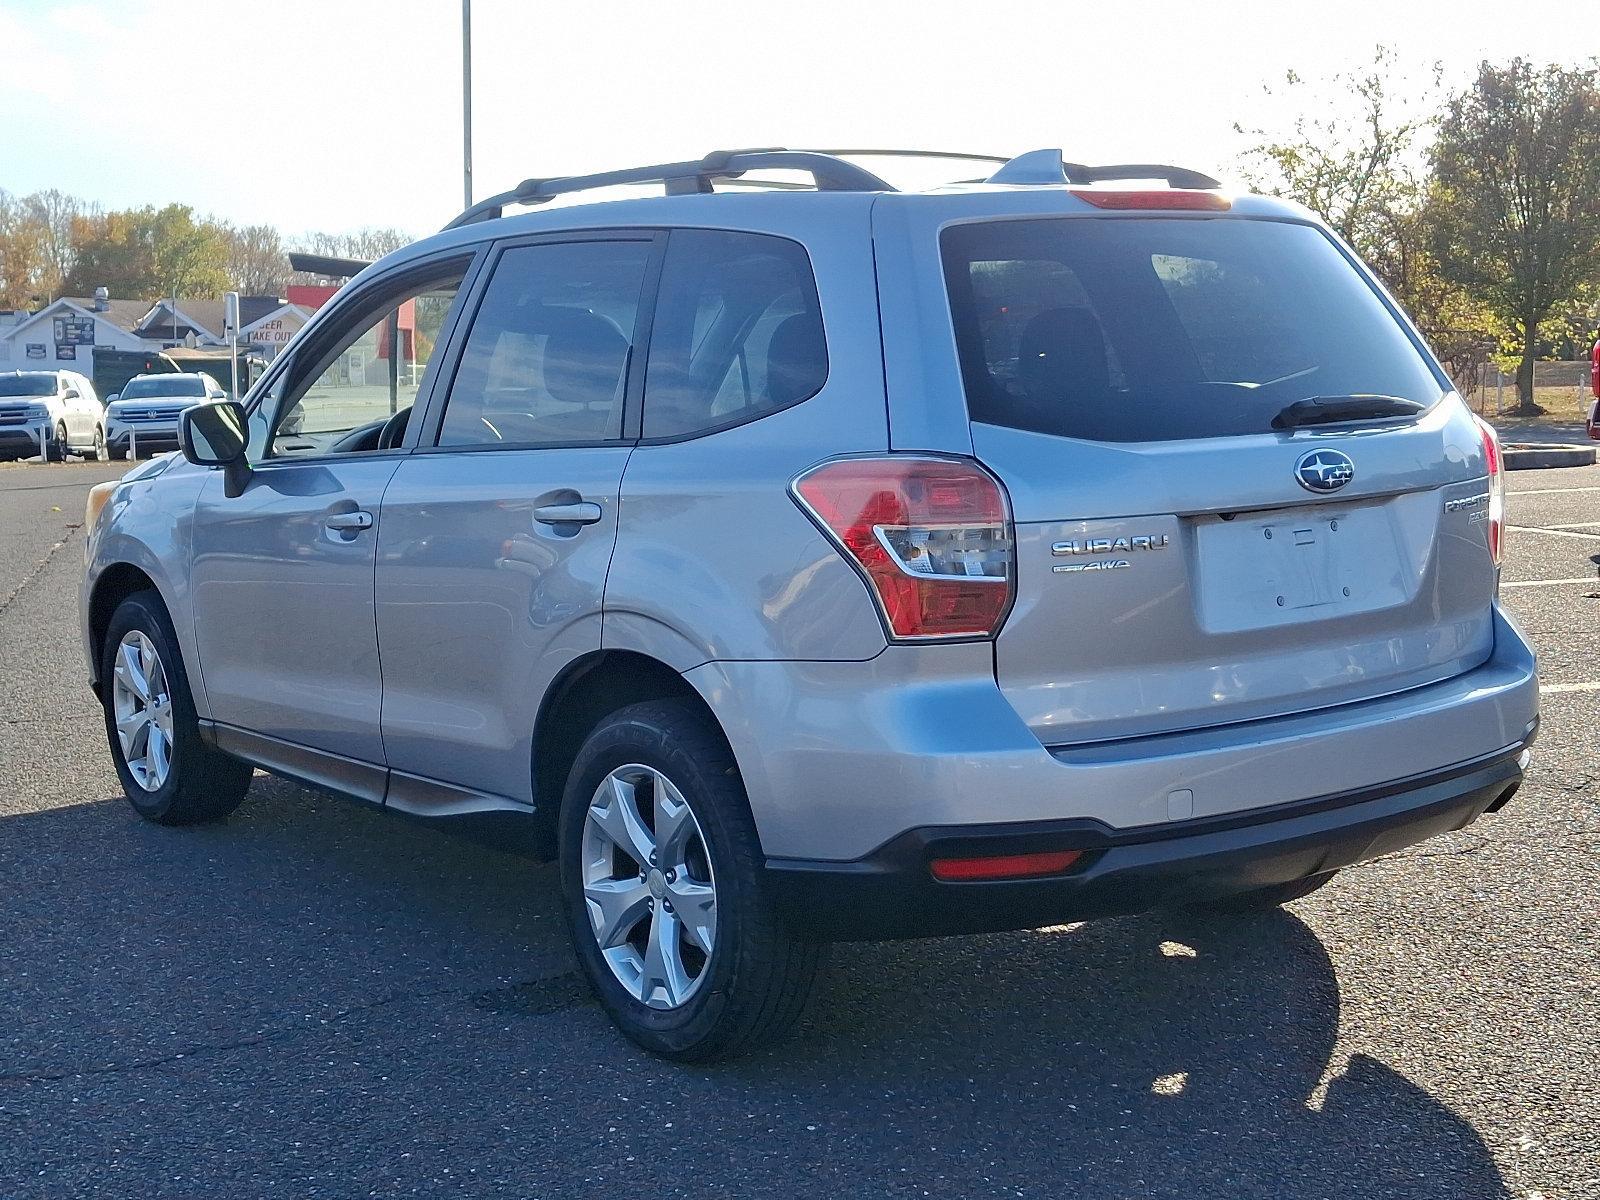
(497, 532)
(283, 602)
(283, 573)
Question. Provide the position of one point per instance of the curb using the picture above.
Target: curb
(1535, 457)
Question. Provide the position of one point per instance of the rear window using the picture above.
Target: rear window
(1132, 330)
(27, 385)
(171, 385)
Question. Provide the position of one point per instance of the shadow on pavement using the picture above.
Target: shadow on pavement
(319, 976)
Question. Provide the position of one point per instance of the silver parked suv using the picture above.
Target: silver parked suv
(837, 562)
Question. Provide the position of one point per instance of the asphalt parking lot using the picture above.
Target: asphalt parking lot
(315, 999)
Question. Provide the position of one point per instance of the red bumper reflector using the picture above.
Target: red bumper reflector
(1004, 866)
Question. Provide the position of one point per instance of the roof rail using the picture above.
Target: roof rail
(1048, 166)
(830, 174)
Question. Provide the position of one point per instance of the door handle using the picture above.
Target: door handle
(349, 520)
(583, 512)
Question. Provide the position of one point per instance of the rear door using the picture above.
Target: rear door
(1180, 561)
(497, 533)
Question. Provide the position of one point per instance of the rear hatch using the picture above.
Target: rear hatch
(1240, 489)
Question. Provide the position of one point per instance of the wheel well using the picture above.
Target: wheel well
(586, 692)
(116, 583)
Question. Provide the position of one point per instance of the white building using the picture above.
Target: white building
(64, 335)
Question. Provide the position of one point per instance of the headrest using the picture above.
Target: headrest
(584, 356)
(797, 360)
(1062, 351)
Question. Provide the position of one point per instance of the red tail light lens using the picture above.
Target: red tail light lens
(932, 536)
(1497, 488)
(1167, 198)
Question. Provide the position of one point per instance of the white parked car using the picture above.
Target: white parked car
(143, 416)
(62, 403)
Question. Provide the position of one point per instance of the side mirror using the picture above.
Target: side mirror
(215, 435)
(113, 398)
(71, 394)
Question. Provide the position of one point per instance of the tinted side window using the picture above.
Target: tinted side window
(738, 332)
(547, 358)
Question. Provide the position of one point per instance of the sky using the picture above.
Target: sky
(338, 114)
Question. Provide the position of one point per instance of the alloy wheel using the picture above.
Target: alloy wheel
(141, 705)
(648, 886)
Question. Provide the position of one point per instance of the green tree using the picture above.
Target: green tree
(1352, 154)
(146, 252)
(1517, 165)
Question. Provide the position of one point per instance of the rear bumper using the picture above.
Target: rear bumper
(841, 758)
(892, 893)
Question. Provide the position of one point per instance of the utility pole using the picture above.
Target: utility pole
(466, 102)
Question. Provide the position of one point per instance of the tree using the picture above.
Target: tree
(22, 264)
(1517, 162)
(257, 263)
(1353, 153)
(146, 252)
(53, 213)
(364, 245)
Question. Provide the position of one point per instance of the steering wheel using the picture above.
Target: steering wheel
(394, 429)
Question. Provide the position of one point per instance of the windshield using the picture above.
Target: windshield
(27, 385)
(1146, 329)
(170, 385)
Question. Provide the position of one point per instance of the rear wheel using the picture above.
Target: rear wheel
(170, 775)
(664, 898)
(1268, 897)
(99, 443)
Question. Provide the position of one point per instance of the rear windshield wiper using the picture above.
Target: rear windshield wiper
(1329, 410)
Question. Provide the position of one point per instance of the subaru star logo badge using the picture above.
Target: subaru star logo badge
(1324, 470)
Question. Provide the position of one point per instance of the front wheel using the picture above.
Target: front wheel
(664, 896)
(169, 773)
(58, 451)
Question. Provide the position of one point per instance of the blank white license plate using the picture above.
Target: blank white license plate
(1297, 564)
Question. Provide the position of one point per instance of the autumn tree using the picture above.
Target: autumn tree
(146, 252)
(1517, 163)
(257, 263)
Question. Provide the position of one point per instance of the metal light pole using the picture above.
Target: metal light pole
(466, 102)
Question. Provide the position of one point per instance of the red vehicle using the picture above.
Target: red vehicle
(1594, 385)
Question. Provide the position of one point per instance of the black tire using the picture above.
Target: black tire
(117, 453)
(1262, 899)
(760, 976)
(202, 783)
(100, 454)
(57, 451)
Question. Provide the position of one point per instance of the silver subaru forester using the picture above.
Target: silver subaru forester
(826, 562)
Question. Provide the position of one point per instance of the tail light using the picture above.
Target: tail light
(932, 536)
(1497, 488)
(1167, 199)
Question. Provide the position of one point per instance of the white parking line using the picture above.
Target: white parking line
(1593, 537)
(1572, 525)
(1550, 491)
(1549, 689)
(1511, 583)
